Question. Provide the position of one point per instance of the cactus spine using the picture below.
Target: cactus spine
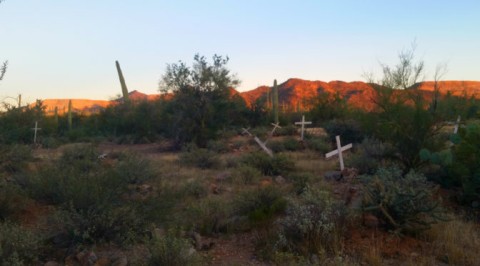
(275, 101)
(70, 115)
(122, 83)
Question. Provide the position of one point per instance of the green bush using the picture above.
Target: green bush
(133, 168)
(12, 199)
(407, 204)
(80, 157)
(209, 216)
(348, 130)
(18, 246)
(289, 130)
(172, 250)
(291, 144)
(198, 157)
(313, 224)
(14, 158)
(246, 175)
(196, 189)
(276, 146)
(217, 146)
(260, 205)
(278, 165)
(318, 144)
(370, 155)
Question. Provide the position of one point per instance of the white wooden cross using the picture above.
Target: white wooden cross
(36, 128)
(259, 142)
(275, 126)
(339, 151)
(455, 129)
(303, 123)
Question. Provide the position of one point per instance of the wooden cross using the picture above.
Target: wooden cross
(259, 142)
(303, 123)
(339, 151)
(455, 129)
(275, 126)
(36, 128)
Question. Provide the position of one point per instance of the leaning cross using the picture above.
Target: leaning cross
(259, 142)
(455, 129)
(275, 126)
(36, 128)
(303, 123)
(339, 151)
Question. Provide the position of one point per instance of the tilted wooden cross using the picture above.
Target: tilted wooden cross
(36, 128)
(259, 142)
(339, 151)
(455, 129)
(303, 123)
(275, 126)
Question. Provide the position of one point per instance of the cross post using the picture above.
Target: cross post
(303, 123)
(455, 129)
(339, 151)
(35, 129)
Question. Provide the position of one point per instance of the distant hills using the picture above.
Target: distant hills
(293, 94)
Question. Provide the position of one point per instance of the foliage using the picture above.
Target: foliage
(464, 170)
(246, 175)
(3, 69)
(320, 145)
(201, 103)
(327, 107)
(210, 216)
(348, 130)
(16, 124)
(279, 164)
(313, 224)
(407, 204)
(14, 158)
(12, 199)
(172, 250)
(133, 168)
(199, 157)
(260, 205)
(18, 246)
(370, 155)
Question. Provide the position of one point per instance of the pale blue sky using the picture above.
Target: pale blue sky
(67, 49)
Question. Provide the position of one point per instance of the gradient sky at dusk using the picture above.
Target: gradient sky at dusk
(67, 49)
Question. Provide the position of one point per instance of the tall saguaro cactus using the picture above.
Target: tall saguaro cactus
(69, 114)
(122, 83)
(275, 101)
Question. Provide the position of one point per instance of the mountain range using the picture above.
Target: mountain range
(293, 94)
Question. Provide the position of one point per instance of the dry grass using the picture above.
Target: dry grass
(456, 242)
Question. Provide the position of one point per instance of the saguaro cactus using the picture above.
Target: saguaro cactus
(275, 101)
(19, 100)
(69, 114)
(122, 83)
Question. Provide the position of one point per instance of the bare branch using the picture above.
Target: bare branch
(3, 69)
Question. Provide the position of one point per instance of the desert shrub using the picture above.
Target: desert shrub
(348, 130)
(245, 174)
(12, 199)
(276, 146)
(195, 189)
(98, 224)
(279, 164)
(172, 250)
(406, 203)
(14, 158)
(260, 132)
(199, 157)
(50, 143)
(81, 157)
(318, 144)
(289, 130)
(313, 224)
(134, 168)
(18, 246)
(217, 146)
(260, 205)
(209, 216)
(291, 144)
(370, 155)
(301, 182)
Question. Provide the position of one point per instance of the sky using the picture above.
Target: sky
(67, 49)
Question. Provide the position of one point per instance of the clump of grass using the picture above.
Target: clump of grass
(172, 250)
(12, 199)
(455, 242)
(246, 175)
(198, 157)
(280, 164)
(14, 158)
(18, 246)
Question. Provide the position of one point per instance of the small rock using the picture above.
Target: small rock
(279, 179)
(333, 175)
